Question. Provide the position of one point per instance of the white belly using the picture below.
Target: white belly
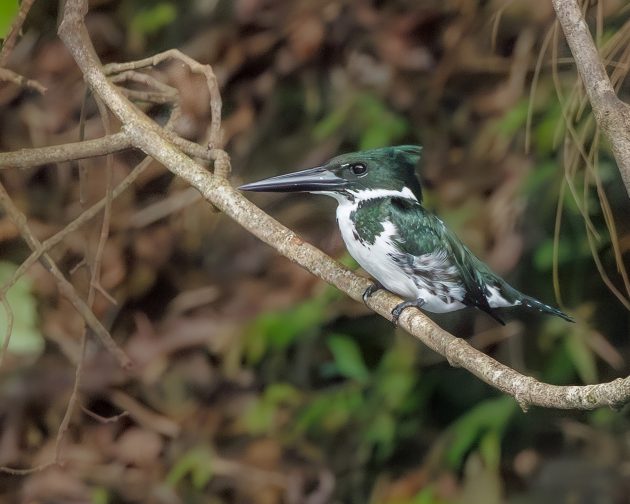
(374, 259)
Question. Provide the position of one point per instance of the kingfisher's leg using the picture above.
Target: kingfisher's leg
(396, 312)
(371, 290)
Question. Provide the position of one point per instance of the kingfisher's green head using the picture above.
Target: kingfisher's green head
(387, 171)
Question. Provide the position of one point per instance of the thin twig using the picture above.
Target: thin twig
(9, 328)
(65, 287)
(214, 140)
(85, 217)
(7, 49)
(14, 31)
(102, 419)
(11, 76)
(25, 158)
(95, 270)
(25, 472)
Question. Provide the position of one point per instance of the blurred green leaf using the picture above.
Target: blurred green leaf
(559, 368)
(330, 124)
(543, 256)
(276, 331)
(282, 393)
(491, 415)
(490, 450)
(368, 121)
(546, 130)
(513, 120)
(8, 11)
(330, 410)
(427, 496)
(196, 463)
(100, 495)
(581, 356)
(396, 374)
(151, 20)
(539, 178)
(603, 418)
(381, 432)
(260, 418)
(26, 338)
(348, 358)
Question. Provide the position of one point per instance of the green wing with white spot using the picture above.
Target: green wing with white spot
(432, 251)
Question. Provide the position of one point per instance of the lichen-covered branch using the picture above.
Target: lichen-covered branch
(612, 115)
(215, 188)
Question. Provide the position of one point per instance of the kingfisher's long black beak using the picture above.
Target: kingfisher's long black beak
(311, 180)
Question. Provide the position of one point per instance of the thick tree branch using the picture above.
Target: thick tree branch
(147, 136)
(612, 115)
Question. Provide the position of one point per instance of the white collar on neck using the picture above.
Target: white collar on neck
(369, 194)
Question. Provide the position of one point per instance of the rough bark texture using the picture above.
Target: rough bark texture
(612, 115)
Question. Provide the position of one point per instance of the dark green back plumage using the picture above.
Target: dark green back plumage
(421, 233)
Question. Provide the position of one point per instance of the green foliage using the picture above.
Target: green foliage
(539, 179)
(544, 254)
(348, 359)
(367, 120)
(490, 449)
(151, 20)
(329, 411)
(196, 464)
(100, 495)
(427, 495)
(489, 418)
(26, 338)
(8, 11)
(275, 331)
(262, 415)
(513, 121)
(368, 403)
(549, 129)
(581, 355)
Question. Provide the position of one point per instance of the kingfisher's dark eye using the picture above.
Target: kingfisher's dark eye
(358, 168)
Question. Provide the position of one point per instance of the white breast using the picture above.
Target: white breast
(375, 259)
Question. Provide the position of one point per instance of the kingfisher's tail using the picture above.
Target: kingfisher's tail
(534, 304)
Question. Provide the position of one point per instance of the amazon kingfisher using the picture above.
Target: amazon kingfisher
(407, 250)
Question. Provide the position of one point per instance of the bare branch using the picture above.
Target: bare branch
(95, 279)
(102, 419)
(147, 136)
(85, 216)
(195, 67)
(7, 48)
(65, 152)
(16, 26)
(11, 76)
(612, 115)
(65, 287)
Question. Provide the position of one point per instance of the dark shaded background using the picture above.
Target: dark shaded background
(256, 383)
